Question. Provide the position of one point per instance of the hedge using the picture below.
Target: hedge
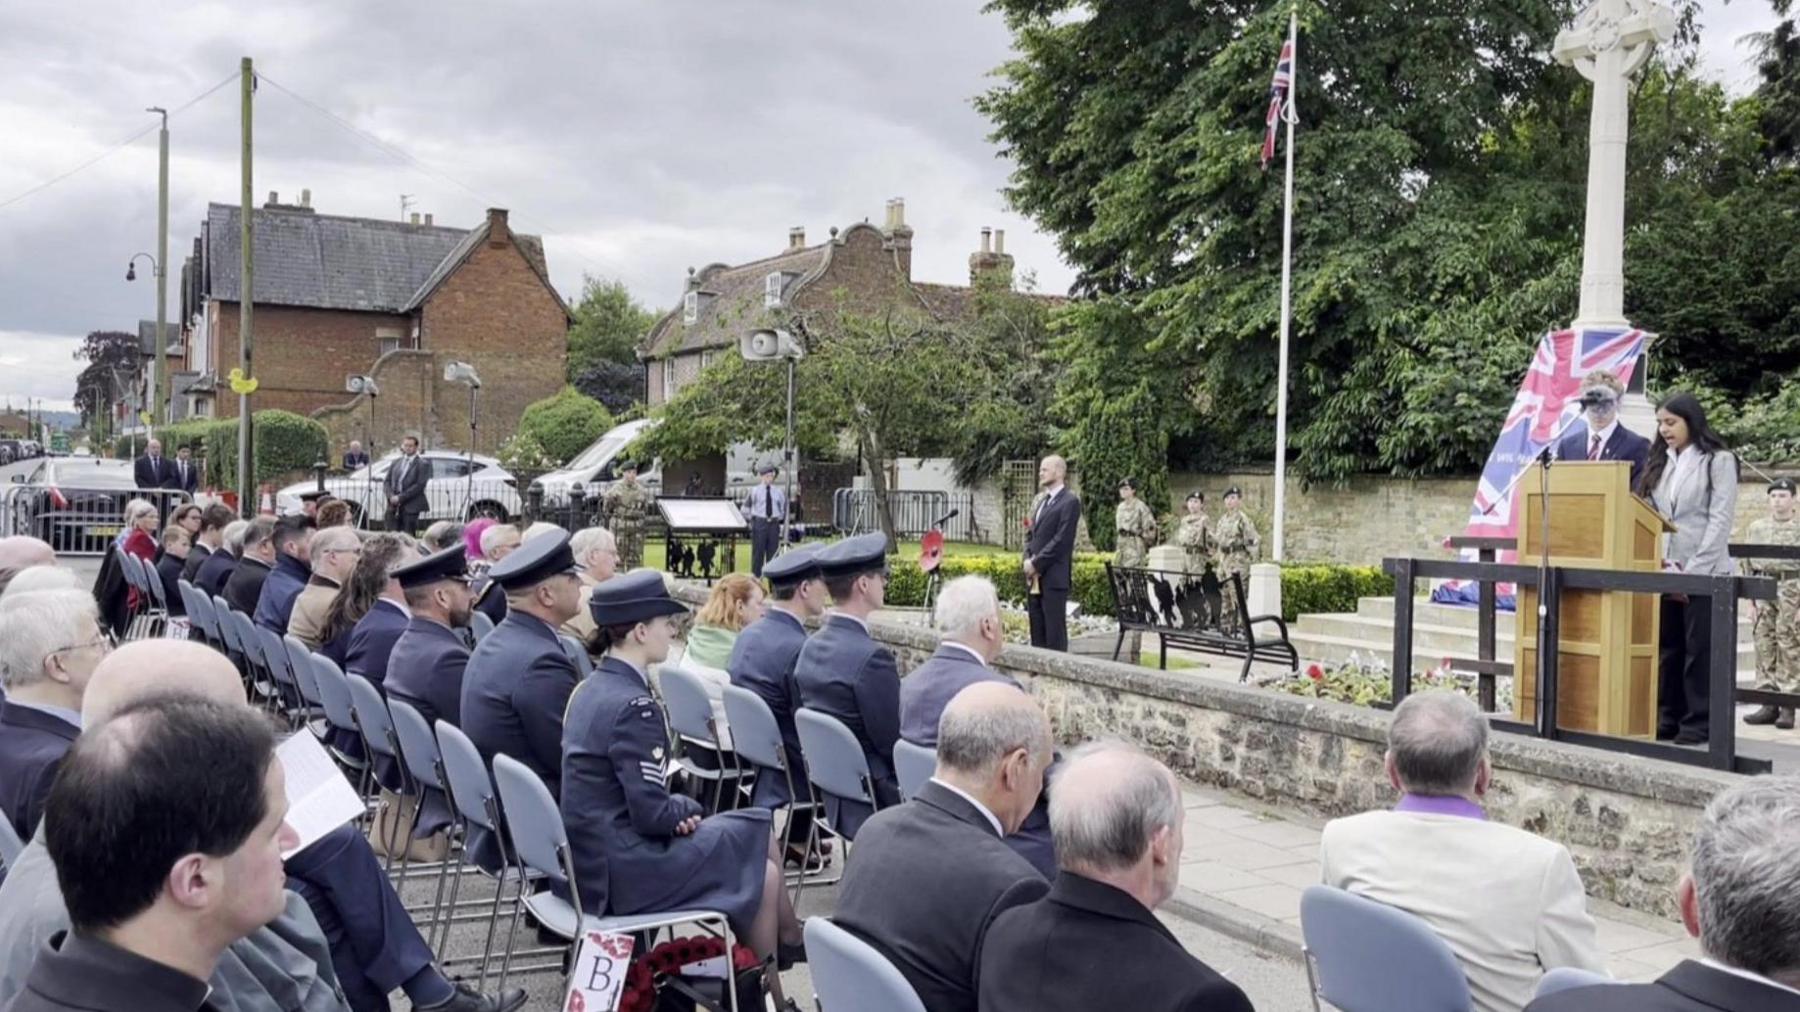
(565, 425)
(1311, 589)
(287, 445)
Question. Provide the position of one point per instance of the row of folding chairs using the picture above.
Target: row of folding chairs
(151, 613)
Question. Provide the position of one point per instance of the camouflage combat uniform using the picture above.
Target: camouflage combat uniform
(627, 503)
(1235, 543)
(1195, 538)
(1137, 531)
(1777, 627)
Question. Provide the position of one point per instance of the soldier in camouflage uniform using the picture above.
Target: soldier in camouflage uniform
(627, 503)
(1777, 625)
(1194, 535)
(1235, 544)
(1136, 527)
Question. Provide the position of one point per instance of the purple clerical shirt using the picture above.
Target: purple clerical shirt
(1427, 804)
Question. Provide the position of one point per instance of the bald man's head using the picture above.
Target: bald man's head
(21, 552)
(1052, 470)
(156, 667)
(994, 743)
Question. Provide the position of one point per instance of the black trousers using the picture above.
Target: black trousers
(1684, 697)
(765, 543)
(1049, 615)
(404, 521)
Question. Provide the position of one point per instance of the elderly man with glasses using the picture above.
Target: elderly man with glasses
(50, 642)
(334, 551)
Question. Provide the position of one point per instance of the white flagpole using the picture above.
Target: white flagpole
(1287, 286)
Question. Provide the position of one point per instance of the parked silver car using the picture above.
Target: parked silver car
(461, 488)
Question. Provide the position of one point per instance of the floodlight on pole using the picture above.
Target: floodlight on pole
(463, 372)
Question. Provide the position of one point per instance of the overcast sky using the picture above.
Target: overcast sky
(639, 138)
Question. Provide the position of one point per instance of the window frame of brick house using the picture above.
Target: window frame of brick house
(388, 339)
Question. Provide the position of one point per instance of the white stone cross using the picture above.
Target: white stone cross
(1609, 41)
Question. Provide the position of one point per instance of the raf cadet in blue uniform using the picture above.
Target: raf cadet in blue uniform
(425, 671)
(762, 661)
(518, 680)
(637, 847)
(844, 673)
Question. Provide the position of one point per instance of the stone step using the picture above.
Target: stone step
(1427, 613)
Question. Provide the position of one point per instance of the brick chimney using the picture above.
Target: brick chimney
(797, 237)
(899, 236)
(992, 259)
(499, 232)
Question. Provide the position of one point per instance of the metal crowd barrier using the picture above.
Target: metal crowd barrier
(857, 510)
(75, 520)
(457, 499)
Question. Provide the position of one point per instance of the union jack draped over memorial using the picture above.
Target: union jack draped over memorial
(1547, 399)
(1278, 99)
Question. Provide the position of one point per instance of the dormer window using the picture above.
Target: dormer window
(772, 289)
(690, 308)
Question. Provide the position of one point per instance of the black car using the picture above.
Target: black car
(77, 504)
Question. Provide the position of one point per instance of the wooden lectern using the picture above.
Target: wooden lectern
(1607, 654)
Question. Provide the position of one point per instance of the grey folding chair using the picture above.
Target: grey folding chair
(275, 658)
(576, 653)
(200, 611)
(472, 797)
(376, 726)
(756, 738)
(913, 765)
(692, 723)
(306, 686)
(849, 975)
(1364, 956)
(536, 828)
(262, 683)
(835, 763)
(419, 749)
(1568, 978)
(340, 715)
(480, 624)
(10, 844)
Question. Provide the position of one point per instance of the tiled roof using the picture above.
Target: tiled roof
(329, 262)
(731, 301)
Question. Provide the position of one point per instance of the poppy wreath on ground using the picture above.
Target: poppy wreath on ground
(667, 959)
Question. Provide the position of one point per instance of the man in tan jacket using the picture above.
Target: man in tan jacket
(334, 554)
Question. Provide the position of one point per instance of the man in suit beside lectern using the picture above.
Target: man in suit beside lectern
(1602, 437)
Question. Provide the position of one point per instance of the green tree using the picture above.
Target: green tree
(609, 326)
(112, 358)
(563, 425)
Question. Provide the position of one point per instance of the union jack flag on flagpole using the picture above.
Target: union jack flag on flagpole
(1547, 401)
(1281, 104)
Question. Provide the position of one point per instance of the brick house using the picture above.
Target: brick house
(868, 268)
(338, 297)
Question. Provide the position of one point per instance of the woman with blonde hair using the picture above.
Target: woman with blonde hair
(735, 602)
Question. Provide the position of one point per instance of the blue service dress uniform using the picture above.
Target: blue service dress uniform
(762, 661)
(844, 673)
(515, 691)
(621, 817)
(425, 671)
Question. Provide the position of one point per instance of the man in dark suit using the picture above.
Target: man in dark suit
(517, 683)
(244, 589)
(153, 470)
(763, 659)
(1740, 900)
(425, 669)
(844, 673)
(207, 540)
(968, 616)
(405, 487)
(184, 475)
(50, 642)
(218, 568)
(927, 878)
(355, 457)
(1050, 555)
(1094, 941)
(1601, 437)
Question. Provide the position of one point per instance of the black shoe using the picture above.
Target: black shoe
(1690, 738)
(787, 955)
(467, 999)
(1766, 715)
(1786, 721)
(1665, 733)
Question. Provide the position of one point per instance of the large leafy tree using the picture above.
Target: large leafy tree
(603, 344)
(113, 360)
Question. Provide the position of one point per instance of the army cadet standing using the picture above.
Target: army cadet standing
(1136, 527)
(1194, 535)
(1235, 543)
(1777, 625)
(627, 503)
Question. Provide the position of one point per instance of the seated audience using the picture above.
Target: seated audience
(597, 553)
(38, 578)
(1095, 942)
(160, 878)
(425, 669)
(843, 673)
(345, 937)
(441, 535)
(968, 616)
(1740, 900)
(333, 513)
(244, 589)
(221, 565)
(293, 568)
(333, 552)
(1507, 902)
(175, 546)
(497, 542)
(368, 612)
(207, 539)
(50, 642)
(20, 552)
(927, 878)
(636, 847)
(735, 602)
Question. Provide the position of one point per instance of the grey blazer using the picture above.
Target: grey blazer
(1700, 504)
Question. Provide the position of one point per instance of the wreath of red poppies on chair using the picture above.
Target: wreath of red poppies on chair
(667, 959)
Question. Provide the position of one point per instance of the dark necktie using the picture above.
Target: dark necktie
(768, 502)
(1594, 448)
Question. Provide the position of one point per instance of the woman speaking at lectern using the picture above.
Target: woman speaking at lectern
(1693, 481)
